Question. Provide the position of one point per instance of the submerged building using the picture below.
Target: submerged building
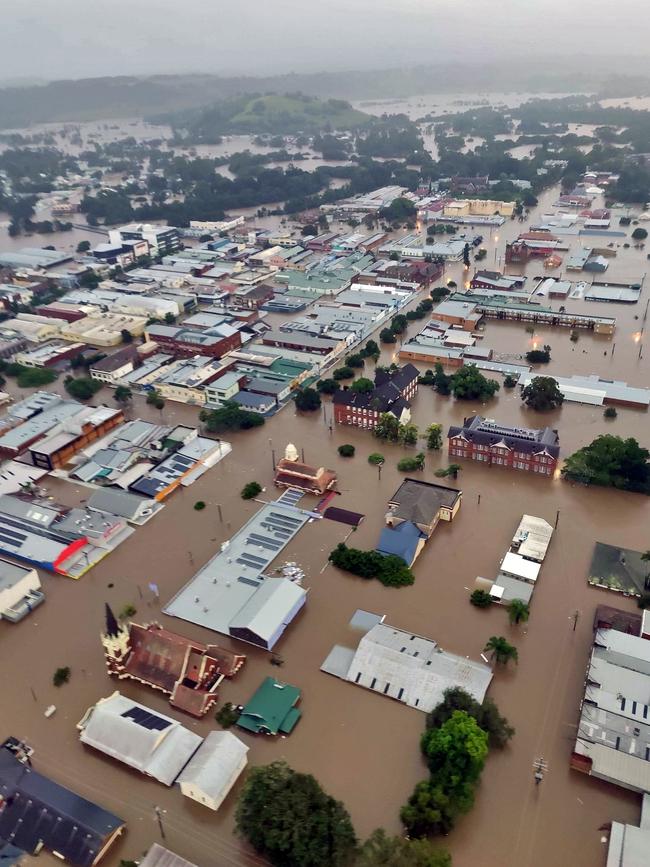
(483, 439)
(189, 672)
(293, 473)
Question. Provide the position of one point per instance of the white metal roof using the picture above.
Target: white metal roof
(519, 567)
(216, 764)
(268, 607)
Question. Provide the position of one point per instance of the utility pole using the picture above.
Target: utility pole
(159, 813)
(557, 518)
(219, 511)
(576, 615)
(540, 766)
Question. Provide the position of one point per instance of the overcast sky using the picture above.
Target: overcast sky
(49, 39)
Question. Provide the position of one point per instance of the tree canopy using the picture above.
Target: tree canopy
(611, 461)
(230, 417)
(392, 571)
(288, 818)
(308, 399)
(542, 393)
(468, 383)
(380, 850)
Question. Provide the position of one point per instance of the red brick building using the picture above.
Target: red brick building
(392, 393)
(480, 439)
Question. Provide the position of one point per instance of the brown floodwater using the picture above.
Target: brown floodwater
(362, 747)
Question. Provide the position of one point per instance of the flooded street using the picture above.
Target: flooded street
(363, 748)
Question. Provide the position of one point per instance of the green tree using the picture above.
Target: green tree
(441, 381)
(610, 412)
(539, 356)
(481, 599)
(434, 436)
(542, 394)
(227, 715)
(371, 350)
(375, 458)
(82, 388)
(343, 373)
(308, 399)
(408, 434)
(639, 234)
(456, 750)
(407, 465)
(398, 324)
(509, 381)
(251, 490)
(230, 416)
(123, 394)
(83, 246)
(155, 399)
(501, 650)
(363, 385)
(346, 451)
(288, 819)
(328, 386)
(392, 571)
(429, 810)
(380, 850)
(518, 611)
(486, 714)
(61, 676)
(610, 461)
(468, 383)
(386, 335)
(387, 427)
(355, 360)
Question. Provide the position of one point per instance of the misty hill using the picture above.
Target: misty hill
(270, 113)
(124, 96)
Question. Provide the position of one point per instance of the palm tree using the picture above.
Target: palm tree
(518, 611)
(501, 650)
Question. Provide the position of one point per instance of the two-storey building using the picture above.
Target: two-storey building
(482, 439)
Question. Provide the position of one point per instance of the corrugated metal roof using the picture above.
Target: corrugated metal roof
(216, 764)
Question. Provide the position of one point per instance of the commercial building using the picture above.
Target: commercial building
(20, 591)
(187, 342)
(73, 435)
(53, 354)
(112, 368)
(597, 391)
(407, 667)
(213, 769)
(104, 329)
(481, 439)
(629, 844)
(392, 394)
(38, 813)
(162, 240)
(272, 709)
(232, 595)
(497, 280)
(613, 737)
(187, 671)
(158, 856)
(156, 745)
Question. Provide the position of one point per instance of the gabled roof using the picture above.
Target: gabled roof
(271, 708)
(420, 502)
(269, 607)
(36, 809)
(401, 541)
(216, 764)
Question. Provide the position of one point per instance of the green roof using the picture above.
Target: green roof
(271, 709)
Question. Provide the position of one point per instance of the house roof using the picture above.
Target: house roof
(420, 502)
(130, 732)
(38, 809)
(272, 708)
(216, 764)
(402, 541)
(387, 394)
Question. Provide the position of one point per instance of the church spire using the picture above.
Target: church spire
(112, 628)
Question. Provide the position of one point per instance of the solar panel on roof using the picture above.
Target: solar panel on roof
(146, 719)
(250, 581)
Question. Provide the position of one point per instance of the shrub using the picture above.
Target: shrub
(539, 356)
(61, 676)
(481, 599)
(509, 381)
(408, 465)
(251, 490)
(343, 373)
(327, 386)
(639, 234)
(375, 458)
(610, 412)
(574, 336)
(128, 611)
(386, 336)
(392, 571)
(83, 388)
(199, 506)
(346, 451)
(227, 715)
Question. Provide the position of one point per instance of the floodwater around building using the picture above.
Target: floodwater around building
(363, 748)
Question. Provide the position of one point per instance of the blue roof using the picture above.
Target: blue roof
(402, 541)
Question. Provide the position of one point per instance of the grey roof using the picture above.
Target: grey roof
(121, 503)
(37, 811)
(485, 431)
(216, 764)
(420, 501)
(158, 856)
(628, 844)
(11, 574)
(155, 744)
(220, 589)
(268, 608)
(412, 669)
(514, 588)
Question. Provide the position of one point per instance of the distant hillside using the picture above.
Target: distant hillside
(269, 113)
(123, 96)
